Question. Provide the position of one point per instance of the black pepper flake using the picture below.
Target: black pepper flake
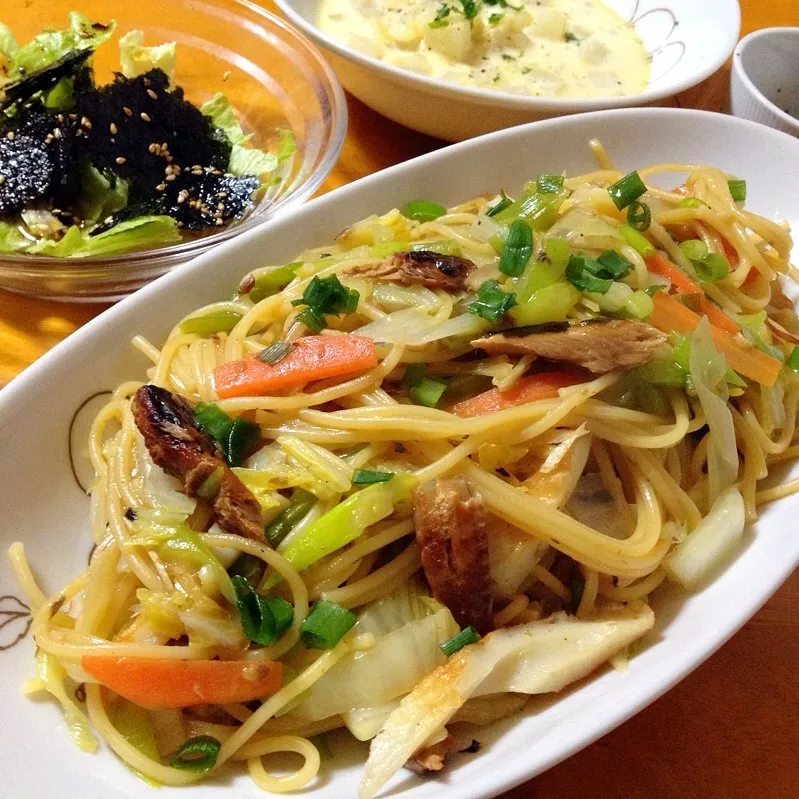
(130, 515)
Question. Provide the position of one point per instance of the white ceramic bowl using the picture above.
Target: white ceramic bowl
(764, 81)
(41, 504)
(687, 41)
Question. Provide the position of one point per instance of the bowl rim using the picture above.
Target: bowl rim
(739, 71)
(506, 99)
(189, 249)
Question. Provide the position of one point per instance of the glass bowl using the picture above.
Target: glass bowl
(273, 76)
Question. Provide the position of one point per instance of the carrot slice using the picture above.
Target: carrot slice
(164, 684)
(528, 389)
(312, 358)
(671, 316)
(684, 285)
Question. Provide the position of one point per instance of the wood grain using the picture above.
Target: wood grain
(729, 730)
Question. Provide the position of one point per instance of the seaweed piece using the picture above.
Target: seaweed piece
(196, 201)
(141, 130)
(37, 159)
(43, 80)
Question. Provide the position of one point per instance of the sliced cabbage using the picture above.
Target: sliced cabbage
(160, 489)
(136, 59)
(538, 657)
(365, 722)
(512, 555)
(711, 543)
(395, 297)
(332, 475)
(593, 505)
(484, 710)
(584, 230)
(708, 369)
(466, 325)
(52, 674)
(410, 326)
(408, 627)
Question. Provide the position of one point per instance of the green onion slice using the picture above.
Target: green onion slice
(271, 282)
(613, 264)
(712, 268)
(236, 438)
(694, 249)
(500, 205)
(468, 635)
(263, 618)
(639, 216)
(638, 242)
(690, 202)
(326, 625)
(312, 320)
(423, 211)
(197, 754)
(414, 372)
(301, 502)
(517, 250)
(626, 190)
(737, 190)
(428, 392)
(365, 477)
(210, 323)
(275, 352)
(549, 184)
(492, 302)
(792, 362)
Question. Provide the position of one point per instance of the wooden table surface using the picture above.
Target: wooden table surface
(728, 731)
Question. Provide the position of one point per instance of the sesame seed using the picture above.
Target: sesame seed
(113, 128)
(160, 187)
(127, 111)
(216, 172)
(2, 179)
(152, 148)
(112, 140)
(220, 222)
(220, 206)
(10, 135)
(146, 81)
(73, 117)
(79, 132)
(197, 171)
(121, 160)
(170, 178)
(152, 94)
(181, 198)
(60, 117)
(144, 117)
(169, 158)
(57, 133)
(225, 76)
(86, 123)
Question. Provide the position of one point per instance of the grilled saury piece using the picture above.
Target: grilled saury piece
(166, 422)
(423, 267)
(598, 345)
(450, 519)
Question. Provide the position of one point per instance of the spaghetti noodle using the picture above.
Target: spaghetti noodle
(439, 352)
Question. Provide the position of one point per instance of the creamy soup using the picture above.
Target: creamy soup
(540, 48)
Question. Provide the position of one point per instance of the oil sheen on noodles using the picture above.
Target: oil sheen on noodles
(593, 478)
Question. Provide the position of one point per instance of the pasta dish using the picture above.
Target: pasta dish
(423, 472)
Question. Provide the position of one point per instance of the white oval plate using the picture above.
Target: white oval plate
(41, 504)
(686, 40)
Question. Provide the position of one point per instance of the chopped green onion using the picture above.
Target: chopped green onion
(737, 190)
(497, 241)
(468, 635)
(613, 264)
(414, 372)
(557, 251)
(311, 320)
(626, 190)
(263, 618)
(446, 247)
(517, 250)
(549, 184)
(423, 211)
(210, 323)
(248, 567)
(652, 290)
(365, 477)
(550, 303)
(693, 249)
(275, 352)
(792, 362)
(690, 202)
(639, 305)
(236, 438)
(638, 242)
(197, 754)
(325, 296)
(539, 210)
(639, 216)
(271, 282)
(500, 205)
(581, 276)
(492, 302)
(209, 487)
(663, 373)
(326, 625)
(301, 502)
(712, 268)
(428, 392)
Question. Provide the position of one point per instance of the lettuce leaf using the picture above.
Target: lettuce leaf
(8, 44)
(12, 239)
(246, 160)
(136, 59)
(133, 234)
(50, 46)
(100, 195)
